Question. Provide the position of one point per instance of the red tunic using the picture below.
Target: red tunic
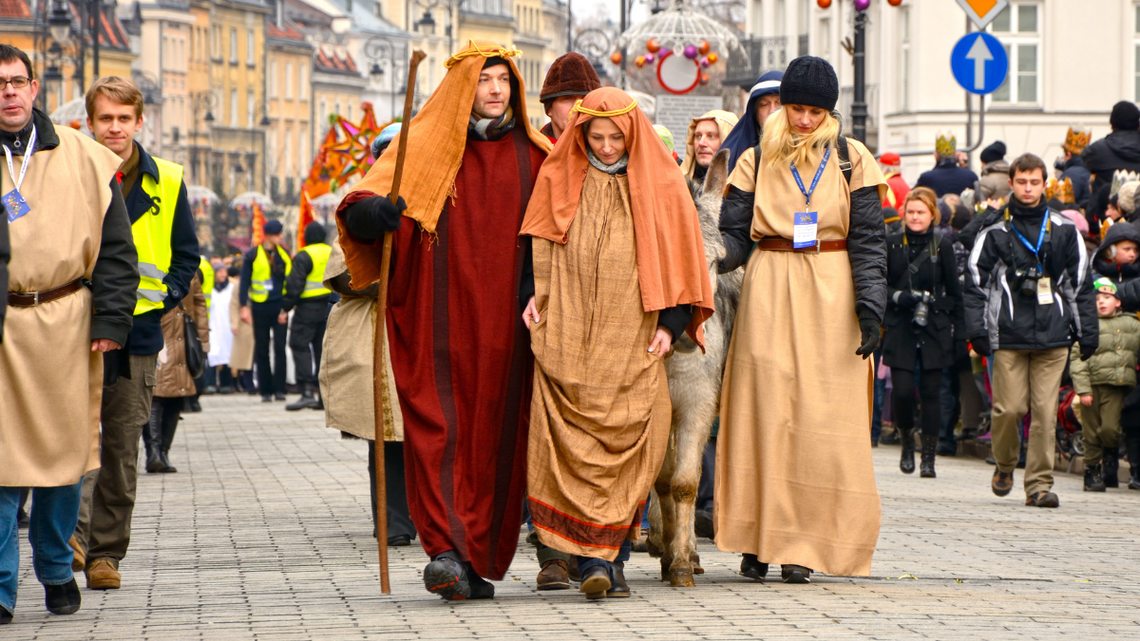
(462, 361)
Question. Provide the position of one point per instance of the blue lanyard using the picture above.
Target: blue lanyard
(1040, 239)
(818, 174)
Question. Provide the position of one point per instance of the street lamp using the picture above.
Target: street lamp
(376, 49)
(427, 23)
(59, 24)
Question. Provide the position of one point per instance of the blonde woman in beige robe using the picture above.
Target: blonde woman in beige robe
(73, 276)
(794, 480)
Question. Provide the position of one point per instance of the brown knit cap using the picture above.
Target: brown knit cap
(569, 75)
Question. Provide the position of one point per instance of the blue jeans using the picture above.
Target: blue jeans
(55, 511)
(587, 562)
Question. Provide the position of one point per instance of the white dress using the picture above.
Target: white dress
(221, 333)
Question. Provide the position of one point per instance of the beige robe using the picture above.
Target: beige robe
(600, 410)
(346, 365)
(794, 478)
(51, 383)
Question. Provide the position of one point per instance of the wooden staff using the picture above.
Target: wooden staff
(378, 335)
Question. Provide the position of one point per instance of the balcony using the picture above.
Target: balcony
(764, 54)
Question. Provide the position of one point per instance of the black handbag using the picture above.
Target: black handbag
(195, 354)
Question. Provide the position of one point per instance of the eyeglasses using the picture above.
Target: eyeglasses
(17, 82)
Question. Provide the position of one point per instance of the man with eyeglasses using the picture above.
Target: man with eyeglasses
(70, 295)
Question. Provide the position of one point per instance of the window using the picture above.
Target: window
(233, 108)
(904, 59)
(271, 74)
(249, 107)
(825, 38)
(1019, 29)
(249, 47)
(288, 80)
(215, 42)
(233, 46)
(303, 82)
(781, 25)
(289, 151)
(303, 146)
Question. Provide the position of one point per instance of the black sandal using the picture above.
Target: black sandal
(795, 574)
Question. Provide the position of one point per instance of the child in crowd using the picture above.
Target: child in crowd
(1115, 258)
(1103, 382)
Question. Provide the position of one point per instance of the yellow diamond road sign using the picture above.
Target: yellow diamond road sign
(982, 12)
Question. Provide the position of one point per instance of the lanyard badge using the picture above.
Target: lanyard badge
(13, 201)
(806, 228)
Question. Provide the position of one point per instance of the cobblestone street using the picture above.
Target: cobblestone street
(265, 533)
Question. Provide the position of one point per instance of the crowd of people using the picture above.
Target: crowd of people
(539, 279)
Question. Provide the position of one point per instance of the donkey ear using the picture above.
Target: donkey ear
(717, 177)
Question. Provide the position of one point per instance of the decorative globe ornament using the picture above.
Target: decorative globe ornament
(704, 79)
(712, 58)
(640, 62)
(704, 48)
(690, 52)
(704, 63)
(823, 4)
(861, 5)
(653, 46)
(665, 51)
(894, 3)
(615, 58)
(649, 58)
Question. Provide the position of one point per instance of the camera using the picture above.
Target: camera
(1028, 286)
(921, 308)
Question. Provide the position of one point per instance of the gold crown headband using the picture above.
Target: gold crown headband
(474, 50)
(604, 114)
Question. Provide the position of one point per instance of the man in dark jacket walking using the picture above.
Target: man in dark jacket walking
(305, 290)
(1028, 297)
(1118, 150)
(947, 177)
(263, 272)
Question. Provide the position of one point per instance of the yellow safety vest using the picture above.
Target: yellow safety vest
(261, 280)
(152, 233)
(315, 283)
(207, 281)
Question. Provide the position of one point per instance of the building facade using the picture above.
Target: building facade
(288, 82)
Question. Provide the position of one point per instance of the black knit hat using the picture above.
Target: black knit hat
(994, 152)
(314, 233)
(1125, 116)
(810, 81)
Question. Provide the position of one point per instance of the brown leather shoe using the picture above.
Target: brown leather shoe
(102, 575)
(553, 576)
(1002, 482)
(79, 558)
(1043, 499)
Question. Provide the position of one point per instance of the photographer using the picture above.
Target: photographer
(1028, 298)
(925, 323)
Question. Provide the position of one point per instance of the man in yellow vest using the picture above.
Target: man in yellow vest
(305, 290)
(262, 287)
(162, 224)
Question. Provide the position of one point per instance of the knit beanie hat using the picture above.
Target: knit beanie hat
(314, 233)
(994, 152)
(569, 75)
(1125, 116)
(810, 81)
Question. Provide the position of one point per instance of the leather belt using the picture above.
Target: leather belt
(34, 299)
(778, 244)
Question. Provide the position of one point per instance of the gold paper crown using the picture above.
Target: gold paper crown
(1076, 140)
(946, 146)
(1120, 177)
(1060, 190)
(474, 50)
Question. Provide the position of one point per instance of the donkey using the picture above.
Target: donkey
(694, 389)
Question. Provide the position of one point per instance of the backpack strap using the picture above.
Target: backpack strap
(844, 159)
(756, 163)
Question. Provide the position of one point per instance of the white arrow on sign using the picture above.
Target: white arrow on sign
(980, 54)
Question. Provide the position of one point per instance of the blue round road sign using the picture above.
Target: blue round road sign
(979, 63)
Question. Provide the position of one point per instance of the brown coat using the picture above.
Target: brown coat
(241, 353)
(174, 380)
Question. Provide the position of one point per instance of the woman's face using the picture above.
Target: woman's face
(804, 119)
(606, 140)
(918, 216)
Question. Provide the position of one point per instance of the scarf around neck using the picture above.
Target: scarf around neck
(491, 128)
(618, 167)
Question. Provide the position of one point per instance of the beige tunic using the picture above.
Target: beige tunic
(600, 411)
(794, 477)
(51, 383)
(241, 353)
(346, 365)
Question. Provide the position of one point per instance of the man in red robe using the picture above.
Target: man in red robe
(460, 353)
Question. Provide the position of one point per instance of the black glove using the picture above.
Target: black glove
(871, 331)
(1087, 352)
(982, 345)
(906, 300)
(373, 217)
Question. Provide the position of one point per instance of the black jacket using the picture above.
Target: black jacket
(1117, 150)
(146, 335)
(938, 274)
(948, 178)
(295, 286)
(866, 244)
(1076, 172)
(1103, 263)
(994, 304)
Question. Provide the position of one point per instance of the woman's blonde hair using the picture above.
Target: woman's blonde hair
(780, 145)
(926, 196)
